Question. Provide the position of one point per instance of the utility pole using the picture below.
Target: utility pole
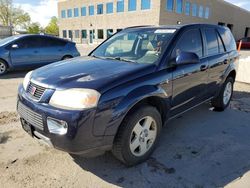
(11, 7)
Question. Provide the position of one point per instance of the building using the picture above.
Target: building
(92, 21)
(5, 31)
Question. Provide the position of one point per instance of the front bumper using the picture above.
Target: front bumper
(78, 140)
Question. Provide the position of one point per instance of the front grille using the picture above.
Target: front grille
(39, 90)
(30, 116)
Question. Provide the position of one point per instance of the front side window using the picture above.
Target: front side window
(91, 10)
(187, 8)
(145, 4)
(140, 46)
(29, 42)
(179, 5)
(109, 8)
(212, 42)
(201, 11)
(76, 12)
(190, 41)
(83, 11)
(120, 6)
(194, 9)
(131, 5)
(63, 14)
(100, 9)
(170, 5)
(69, 13)
(207, 12)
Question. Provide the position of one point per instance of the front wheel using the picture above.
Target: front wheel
(138, 135)
(221, 102)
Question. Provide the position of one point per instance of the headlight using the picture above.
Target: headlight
(26, 80)
(75, 99)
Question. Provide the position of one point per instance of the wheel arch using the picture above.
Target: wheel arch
(7, 64)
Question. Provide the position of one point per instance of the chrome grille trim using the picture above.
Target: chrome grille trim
(30, 116)
(39, 91)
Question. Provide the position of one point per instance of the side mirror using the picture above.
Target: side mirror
(185, 58)
(14, 46)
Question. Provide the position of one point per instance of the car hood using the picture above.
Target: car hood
(89, 72)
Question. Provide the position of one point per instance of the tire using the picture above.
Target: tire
(221, 102)
(66, 57)
(3, 67)
(134, 131)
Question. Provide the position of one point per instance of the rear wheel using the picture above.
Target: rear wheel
(3, 67)
(138, 136)
(221, 102)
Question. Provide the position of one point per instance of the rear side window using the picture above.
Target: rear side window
(190, 41)
(228, 39)
(212, 42)
(51, 42)
(221, 46)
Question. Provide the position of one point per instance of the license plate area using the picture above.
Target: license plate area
(27, 127)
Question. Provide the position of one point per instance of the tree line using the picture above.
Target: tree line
(16, 18)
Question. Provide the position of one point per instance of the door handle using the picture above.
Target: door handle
(225, 61)
(203, 67)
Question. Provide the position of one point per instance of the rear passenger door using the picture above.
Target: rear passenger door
(189, 81)
(52, 49)
(217, 58)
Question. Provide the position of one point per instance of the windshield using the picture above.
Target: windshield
(140, 46)
(7, 40)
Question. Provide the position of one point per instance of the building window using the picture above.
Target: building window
(84, 34)
(118, 30)
(179, 5)
(76, 12)
(69, 13)
(83, 11)
(170, 5)
(194, 10)
(131, 5)
(145, 4)
(201, 11)
(77, 34)
(70, 34)
(109, 32)
(100, 9)
(120, 6)
(63, 14)
(187, 8)
(109, 8)
(64, 33)
(207, 12)
(91, 10)
(100, 34)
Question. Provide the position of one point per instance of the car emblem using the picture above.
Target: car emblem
(32, 90)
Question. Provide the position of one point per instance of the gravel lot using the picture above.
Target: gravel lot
(202, 148)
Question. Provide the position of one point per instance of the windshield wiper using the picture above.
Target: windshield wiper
(120, 59)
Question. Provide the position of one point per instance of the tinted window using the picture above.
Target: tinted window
(100, 34)
(64, 34)
(84, 34)
(29, 42)
(145, 4)
(170, 5)
(228, 39)
(212, 42)
(221, 46)
(51, 42)
(190, 41)
(131, 5)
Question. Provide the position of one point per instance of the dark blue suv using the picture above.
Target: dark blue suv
(32, 51)
(120, 95)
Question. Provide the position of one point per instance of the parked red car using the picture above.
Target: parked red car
(245, 43)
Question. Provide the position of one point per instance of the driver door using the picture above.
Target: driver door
(189, 81)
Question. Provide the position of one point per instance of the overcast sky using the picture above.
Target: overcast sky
(42, 10)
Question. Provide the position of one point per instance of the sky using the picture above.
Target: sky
(42, 10)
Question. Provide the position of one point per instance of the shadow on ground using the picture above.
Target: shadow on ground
(16, 74)
(202, 148)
